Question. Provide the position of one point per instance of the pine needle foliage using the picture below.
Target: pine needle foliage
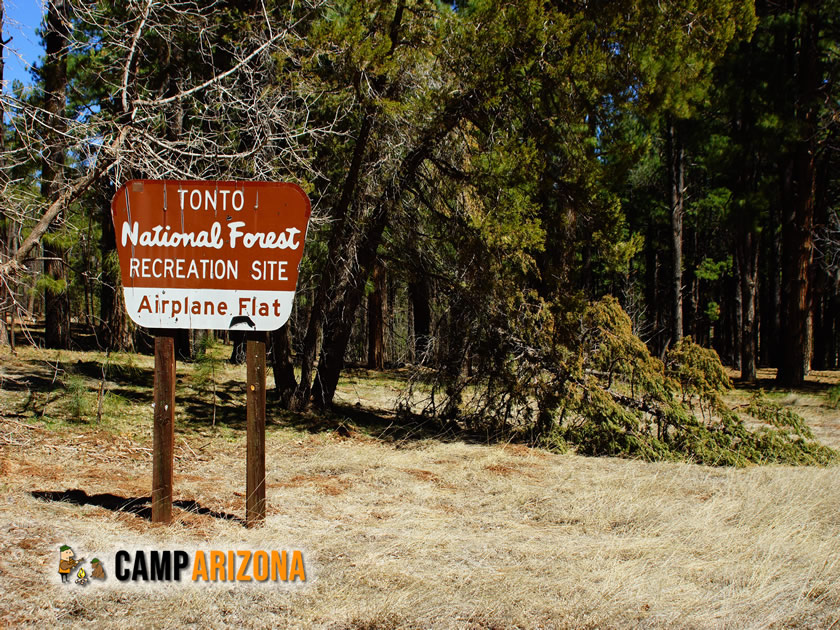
(574, 376)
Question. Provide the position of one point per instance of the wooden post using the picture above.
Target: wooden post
(255, 463)
(164, 430)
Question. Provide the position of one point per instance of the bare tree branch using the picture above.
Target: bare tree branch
(67, 196)
(130, 59)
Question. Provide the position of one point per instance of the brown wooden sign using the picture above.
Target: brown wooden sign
(210, 254)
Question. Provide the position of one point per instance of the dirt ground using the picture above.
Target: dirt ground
(399, 528)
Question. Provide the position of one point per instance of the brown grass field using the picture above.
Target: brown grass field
(400, 528)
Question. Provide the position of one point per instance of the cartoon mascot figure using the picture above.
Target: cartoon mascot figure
(98, 570)
(68, 563)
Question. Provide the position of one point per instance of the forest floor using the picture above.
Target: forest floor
(399, 527)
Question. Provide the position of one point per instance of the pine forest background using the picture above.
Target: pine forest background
(560, 217)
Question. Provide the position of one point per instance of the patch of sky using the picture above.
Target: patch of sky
(20, 23)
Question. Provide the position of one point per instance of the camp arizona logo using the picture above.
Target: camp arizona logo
(241, 565)
(212, 566)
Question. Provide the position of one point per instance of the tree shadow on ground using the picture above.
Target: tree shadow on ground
(139, 506)
(32, 376)
(195, 409)
(125, 375)
(345, 420)
(195, 413)
(40, 376)
(769, 385)
(399, 374)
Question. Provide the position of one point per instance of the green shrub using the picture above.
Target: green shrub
(834, 396)
(576, 376)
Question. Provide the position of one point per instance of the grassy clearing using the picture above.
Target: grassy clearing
(400, 528)
(813, 401)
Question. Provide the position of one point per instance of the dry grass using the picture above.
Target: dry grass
(810, 402)
(421, 533)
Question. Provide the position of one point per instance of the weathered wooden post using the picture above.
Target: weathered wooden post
(164, 427)
(255, 464)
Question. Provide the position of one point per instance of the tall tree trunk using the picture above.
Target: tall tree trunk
(376, 325)
(747, 253)
(833, 314)
(362, 253)
(419, 293)
(690, 309)
(114, 330)
(676, 187)
(392, 353)
(237, 351)
(798, 215)
(795, 289)
(56, 295)
(771, 289)
(776, 296)
(284, 368)
(342, 313)
(7, 298)
(184, 348)
(336, 260)
(738, 319)
(653, 285)
(719, 338)
(341, 234)
(822, 322)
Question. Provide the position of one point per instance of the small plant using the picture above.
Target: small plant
(114, 404)
(77, 404)
(204, 370)
(123, 365)
(834, 396)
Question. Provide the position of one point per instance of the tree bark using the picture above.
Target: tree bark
(419, 292)
(690, 307)
(822, 321)
(332, 270)
(770, 289)
(285, 383)
(738, 323)
(238, 348)
(56, 296)
(799, 183)
(747, 253)
(339, 319)
(391, 353)
(833, 315)
(7, 297)
(676, 187)
(114, 329)
(653, 280)
(376, 324)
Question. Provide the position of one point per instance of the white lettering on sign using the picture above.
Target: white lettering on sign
(266, 240)
(164, 236)
(160, 236)
(211, 199)
(268, 270)
(201, 269)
